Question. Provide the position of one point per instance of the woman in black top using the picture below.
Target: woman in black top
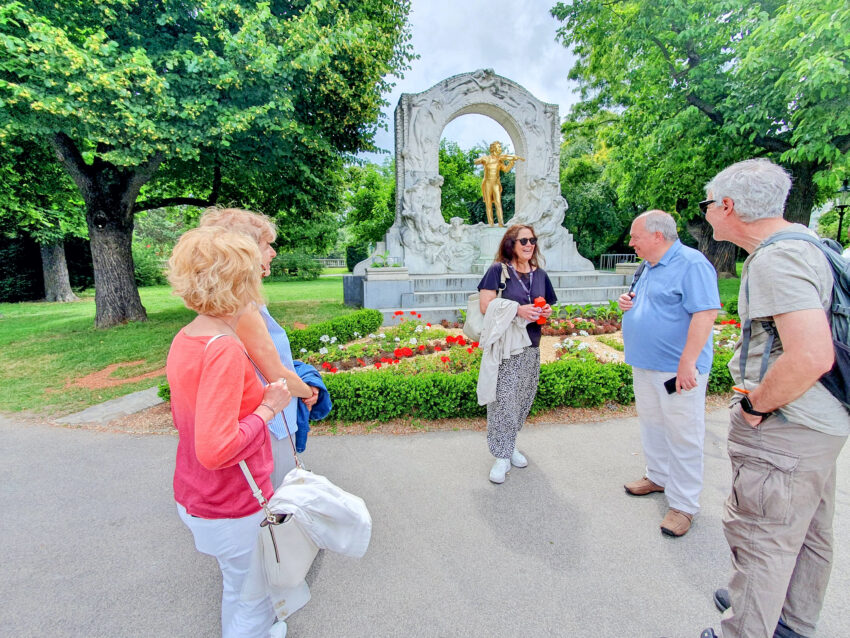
(518, 376)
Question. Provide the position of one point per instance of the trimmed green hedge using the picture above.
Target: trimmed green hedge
(343, 328)
(381, 395)
(375, 395)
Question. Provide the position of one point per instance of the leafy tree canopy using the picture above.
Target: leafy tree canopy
(197, 101)
(370, 201)
(698, 85)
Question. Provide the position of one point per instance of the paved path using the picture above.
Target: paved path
(92, 545)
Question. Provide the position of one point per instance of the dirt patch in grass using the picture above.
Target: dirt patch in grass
(104, 379)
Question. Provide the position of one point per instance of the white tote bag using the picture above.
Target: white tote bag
(474, 323)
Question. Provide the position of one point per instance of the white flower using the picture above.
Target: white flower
(333, 339)
(371, 335)
(419, 328)
(303, 350)
(323, 350)
(381, 335)
(581, 346)
(574, 335)
(583, 333)
(324, 338)
(356, 335)
(413, 340)
(396, 339)
(716, 331)
(341, 347)
(427, 327)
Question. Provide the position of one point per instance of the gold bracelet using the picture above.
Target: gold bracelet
(266, 405)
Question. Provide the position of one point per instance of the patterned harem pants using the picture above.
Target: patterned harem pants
(515, 391)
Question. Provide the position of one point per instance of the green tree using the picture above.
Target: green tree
(596, 216)
(370, 201)
(198, 102)
(698, 85)
(38, 199)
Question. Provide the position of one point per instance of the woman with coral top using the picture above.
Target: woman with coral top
(526, 297)
(221, 410)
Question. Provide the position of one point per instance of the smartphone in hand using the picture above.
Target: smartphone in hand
(670, 385)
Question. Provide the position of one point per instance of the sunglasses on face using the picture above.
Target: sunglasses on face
(703, 205)
(524, 241)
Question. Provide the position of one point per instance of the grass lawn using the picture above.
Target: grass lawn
(729, 287)
(335, 271)
(45, 347)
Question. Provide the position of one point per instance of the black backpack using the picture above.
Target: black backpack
(837, 380)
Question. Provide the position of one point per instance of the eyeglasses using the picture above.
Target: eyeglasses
(703, 205)
(524, 241)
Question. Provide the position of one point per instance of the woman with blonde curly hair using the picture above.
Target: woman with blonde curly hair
(221, 410)
(264, 338)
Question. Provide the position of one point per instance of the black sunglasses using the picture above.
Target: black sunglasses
(703, 205)
(524, 241)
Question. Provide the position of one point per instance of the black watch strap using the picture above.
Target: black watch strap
(747, 406)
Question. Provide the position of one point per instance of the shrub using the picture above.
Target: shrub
(164, 391)
(354, 254)
(295, 266)
(719, 378)
(148, 265)
(343, 328)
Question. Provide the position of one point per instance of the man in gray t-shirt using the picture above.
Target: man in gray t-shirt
(786, 430)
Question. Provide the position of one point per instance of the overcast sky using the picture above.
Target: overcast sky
(515, 39)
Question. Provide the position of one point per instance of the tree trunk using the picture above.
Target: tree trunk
(721, 254)
(57, 284)
(110, 193)
(801, 199)
(110, 223)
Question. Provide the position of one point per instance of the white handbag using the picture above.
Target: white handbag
(474, 323)
(287, 551)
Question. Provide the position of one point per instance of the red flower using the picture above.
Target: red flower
(361, 362)
(378, 364)
(397, 352)
(421, 348)
(148, 246)
(326, 365)
(469, 350)
(428, 324)
(451, 339)
(418, 316)
(444, 359)
(721, 304)
(334, 370)
(398, 312)
(737, 325)
(461, 341)
(413, 312)
(396, 361)
(407, 352)
(438, 348)
(474, 344)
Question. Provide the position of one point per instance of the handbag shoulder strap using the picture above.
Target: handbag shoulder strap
(504, 278)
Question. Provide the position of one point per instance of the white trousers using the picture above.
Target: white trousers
(672, 430)
(232, 541)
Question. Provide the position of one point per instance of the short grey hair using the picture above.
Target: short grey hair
(758, 187)
(657, 221)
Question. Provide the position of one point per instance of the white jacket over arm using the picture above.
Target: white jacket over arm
(502, 336)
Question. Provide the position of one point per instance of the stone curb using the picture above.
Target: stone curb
(107, 411)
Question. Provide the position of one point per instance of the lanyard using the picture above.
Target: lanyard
(527, 288)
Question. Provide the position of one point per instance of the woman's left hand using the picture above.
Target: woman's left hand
(545, 311)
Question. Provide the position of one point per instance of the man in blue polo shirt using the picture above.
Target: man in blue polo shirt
(667, 326)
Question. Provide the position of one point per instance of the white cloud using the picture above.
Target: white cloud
(515, 39)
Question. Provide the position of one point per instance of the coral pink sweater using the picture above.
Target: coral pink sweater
(213, 396)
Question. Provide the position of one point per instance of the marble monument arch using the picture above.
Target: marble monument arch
(419, 238)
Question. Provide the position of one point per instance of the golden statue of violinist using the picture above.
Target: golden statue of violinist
(491, 186)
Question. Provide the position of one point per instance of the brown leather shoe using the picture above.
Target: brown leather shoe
(642, 487)
(676, 523)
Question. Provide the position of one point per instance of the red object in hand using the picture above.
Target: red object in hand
(540, 302)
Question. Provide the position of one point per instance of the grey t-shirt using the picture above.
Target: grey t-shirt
(785, 277)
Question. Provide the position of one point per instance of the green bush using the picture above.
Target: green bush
(295, 266)
(164, 391)
(719, 379)
(354, 254)
(148, 265)
(343, 328)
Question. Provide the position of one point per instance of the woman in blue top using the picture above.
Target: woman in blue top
(518, 376)
(264, 338)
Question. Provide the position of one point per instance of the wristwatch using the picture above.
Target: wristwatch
(747, 406)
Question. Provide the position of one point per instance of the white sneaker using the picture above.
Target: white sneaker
(517, 459)
(500, 468)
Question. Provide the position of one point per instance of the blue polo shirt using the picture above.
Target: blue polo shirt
(666, 296)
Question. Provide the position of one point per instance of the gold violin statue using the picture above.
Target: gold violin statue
(491, 186)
